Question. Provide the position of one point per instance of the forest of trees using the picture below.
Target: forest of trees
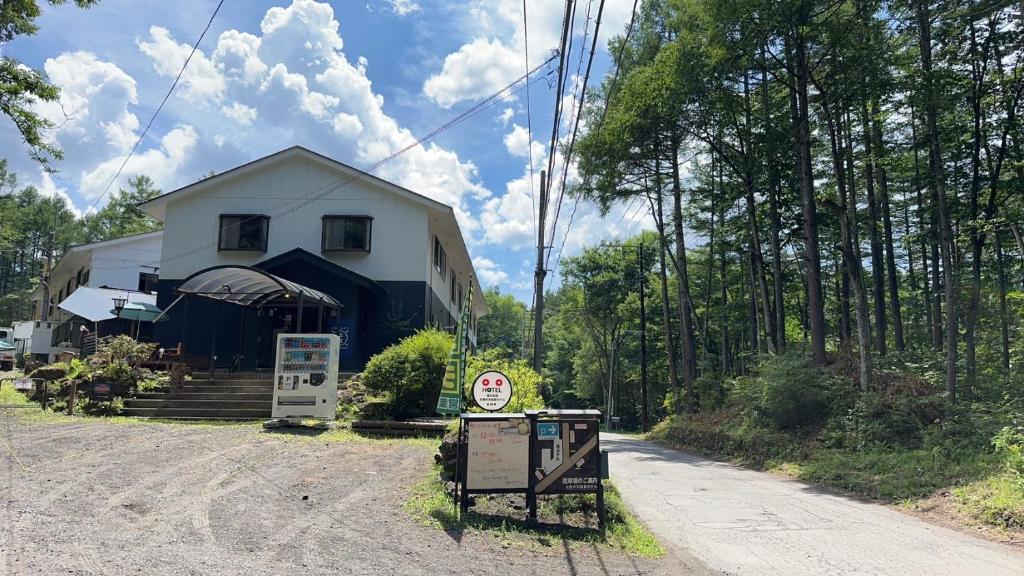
(849, 174)
(34, 227)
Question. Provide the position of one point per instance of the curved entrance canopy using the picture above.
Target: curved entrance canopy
(249, 287)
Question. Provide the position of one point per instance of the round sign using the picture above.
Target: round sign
(492, 390)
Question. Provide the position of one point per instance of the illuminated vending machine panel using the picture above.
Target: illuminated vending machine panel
(306, 376)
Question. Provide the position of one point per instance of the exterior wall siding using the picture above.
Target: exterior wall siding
(397, 252)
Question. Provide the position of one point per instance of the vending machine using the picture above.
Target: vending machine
(306, 376)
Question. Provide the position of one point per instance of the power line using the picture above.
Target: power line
(575, 130)
(195, 47)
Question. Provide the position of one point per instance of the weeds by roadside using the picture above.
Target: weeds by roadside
(569, 518)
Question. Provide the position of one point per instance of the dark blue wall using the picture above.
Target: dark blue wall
(377, 319)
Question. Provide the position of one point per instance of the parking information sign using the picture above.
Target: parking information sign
(492, 390)
(567, 457)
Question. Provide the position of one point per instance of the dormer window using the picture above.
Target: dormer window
(346, 234)
(243, 232)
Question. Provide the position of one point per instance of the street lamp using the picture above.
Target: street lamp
(119, 305)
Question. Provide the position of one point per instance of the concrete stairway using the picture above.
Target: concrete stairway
(243, 396)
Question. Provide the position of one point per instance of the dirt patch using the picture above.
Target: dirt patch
(113, 498)
(941, 508)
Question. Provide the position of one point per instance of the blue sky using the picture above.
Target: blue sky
(352, 80)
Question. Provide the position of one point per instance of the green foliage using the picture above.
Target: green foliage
(1009, 444)
(8, 395)
(788, 393)
(502, 327)
(410, 373)
(526, 384)
(997, 500)
(52, 372)
(121, 215)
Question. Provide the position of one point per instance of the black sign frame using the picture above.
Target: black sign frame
(592, 418)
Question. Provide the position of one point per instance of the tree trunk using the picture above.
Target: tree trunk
(666, 313)
(1004, 316)
(877, 258)
(689, 367)
(847, 224)
(775, 223)
(939, 196)
(895, 306)
(815, 303)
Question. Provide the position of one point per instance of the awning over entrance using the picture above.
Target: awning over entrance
(250, 287)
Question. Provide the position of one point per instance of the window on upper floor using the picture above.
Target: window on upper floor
(85, 277)
(147, 282)
(78, 277)
(243, 232)
(451, 291)
(461, 299)
(346, 234)
(440, 258)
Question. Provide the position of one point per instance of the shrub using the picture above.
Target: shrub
(526, 383)
(788, 393)
(52, 372)
(410, 372)
(1009, 443)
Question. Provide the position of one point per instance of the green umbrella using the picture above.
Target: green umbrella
(139, 311)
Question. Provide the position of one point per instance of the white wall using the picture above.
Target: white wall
(119, 266)
(398, 251)
(116, 264)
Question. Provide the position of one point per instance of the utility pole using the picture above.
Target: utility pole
(538, 279)
(643, 342)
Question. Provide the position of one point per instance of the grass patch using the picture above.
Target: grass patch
(892, 474)
(8, 395)
(895, 474)
(569, 518)
(998, 500)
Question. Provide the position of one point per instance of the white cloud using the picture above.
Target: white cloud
(404, 7)
(509, 220)
(476, 70)
(201, 81)
(94, 100)
(494, 56)
(244, 115)
(490, 273)
(237, 58)
(517, 142)
(506, 116)
(296, 65)
(47, 187)
(161, 164)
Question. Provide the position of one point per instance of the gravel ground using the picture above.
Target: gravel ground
(94, 497)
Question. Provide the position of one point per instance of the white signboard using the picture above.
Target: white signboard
(498, 454)
(492, 390)
(23, 384)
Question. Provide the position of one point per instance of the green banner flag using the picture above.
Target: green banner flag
(450, 401)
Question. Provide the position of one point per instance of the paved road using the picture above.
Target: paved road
(741, 521)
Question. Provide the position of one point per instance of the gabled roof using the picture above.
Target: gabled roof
(321, 263)
(116, 241)
(156, 206)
